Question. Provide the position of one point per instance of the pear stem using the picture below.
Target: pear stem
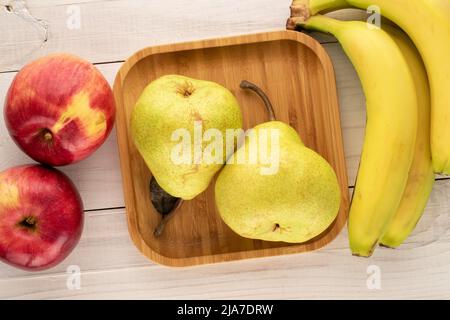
(162, 224)
(165, 204)
(248, 85)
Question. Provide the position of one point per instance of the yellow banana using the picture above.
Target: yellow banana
(421, 175)
(390, 131)
(427, 22)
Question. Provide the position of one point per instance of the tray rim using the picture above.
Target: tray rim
(127, 184)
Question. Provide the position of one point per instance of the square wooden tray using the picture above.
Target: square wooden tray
(295, 72)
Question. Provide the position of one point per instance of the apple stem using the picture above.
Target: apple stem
(248, 85)
(47, 135)
(29, 223)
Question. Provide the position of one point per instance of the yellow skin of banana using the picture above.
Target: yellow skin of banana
(427, 22)
(421, 175)
(392, 117)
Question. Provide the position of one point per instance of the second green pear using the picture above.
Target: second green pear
(171, 103)
(293, 204)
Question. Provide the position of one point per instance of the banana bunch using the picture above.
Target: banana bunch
(421, 174)
(408, 106)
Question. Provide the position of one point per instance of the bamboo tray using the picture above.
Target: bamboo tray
(295, 72)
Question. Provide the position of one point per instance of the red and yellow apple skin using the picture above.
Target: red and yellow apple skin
(41, 217)
(59, 109)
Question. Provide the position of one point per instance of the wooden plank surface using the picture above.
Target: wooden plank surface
(418, 270)
(113, 30)
(111, 266)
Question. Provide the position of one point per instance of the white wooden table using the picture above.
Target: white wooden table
(106, 32)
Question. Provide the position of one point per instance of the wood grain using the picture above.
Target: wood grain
(111, 266)
(295, 72)
(113, 30)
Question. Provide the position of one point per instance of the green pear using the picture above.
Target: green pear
(167, 122)
(294, 203)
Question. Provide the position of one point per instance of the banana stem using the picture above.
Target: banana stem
(302, 10)
(248, 85)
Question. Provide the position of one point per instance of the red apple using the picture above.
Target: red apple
(59, 109)
(41, 217)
